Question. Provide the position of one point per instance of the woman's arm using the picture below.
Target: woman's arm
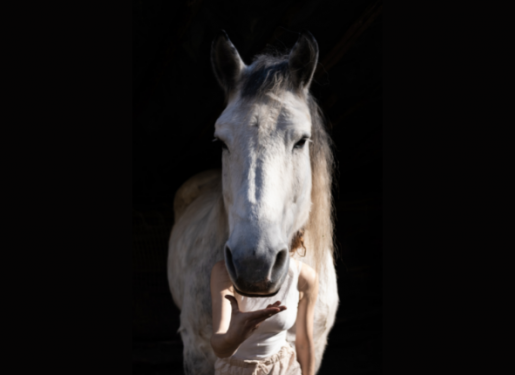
(221, 311)
(230, 325)
(308, 288)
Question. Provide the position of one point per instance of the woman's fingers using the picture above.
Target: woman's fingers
(256, 320)
(265, 313)
(234, 303)
(275, 304)
(259, 315)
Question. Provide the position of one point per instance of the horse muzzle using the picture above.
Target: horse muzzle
(257, 276)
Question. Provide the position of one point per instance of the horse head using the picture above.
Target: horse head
(265, 131)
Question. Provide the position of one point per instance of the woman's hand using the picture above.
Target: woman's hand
(243, 324)
(230, 325)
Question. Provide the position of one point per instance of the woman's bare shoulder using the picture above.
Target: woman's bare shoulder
(308, 278)
(220, 278)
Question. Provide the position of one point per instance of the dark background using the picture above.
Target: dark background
(176, 102)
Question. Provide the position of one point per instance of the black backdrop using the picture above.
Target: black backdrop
(176, 101)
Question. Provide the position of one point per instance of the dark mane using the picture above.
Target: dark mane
(267, 73)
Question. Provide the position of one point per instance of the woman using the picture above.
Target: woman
(249, 334)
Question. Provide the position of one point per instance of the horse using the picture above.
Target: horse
(274, 185)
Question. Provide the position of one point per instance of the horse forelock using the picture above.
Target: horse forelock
(267, 74)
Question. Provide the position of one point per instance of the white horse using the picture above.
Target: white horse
(275, 182)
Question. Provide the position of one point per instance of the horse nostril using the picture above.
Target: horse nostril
(280, 259)
(229, 262)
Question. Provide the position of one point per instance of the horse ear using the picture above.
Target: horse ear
(303, 60)
(226, 62)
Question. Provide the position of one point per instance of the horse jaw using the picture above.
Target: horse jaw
(266, 187)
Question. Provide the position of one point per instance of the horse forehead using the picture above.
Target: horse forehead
(272, 112)
(281, 110)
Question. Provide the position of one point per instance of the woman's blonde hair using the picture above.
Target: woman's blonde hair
(298, 242)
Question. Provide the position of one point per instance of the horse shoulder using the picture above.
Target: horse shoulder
(197, 222)
(192, 189)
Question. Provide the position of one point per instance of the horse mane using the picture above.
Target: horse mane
(269, 74)
(320, 226)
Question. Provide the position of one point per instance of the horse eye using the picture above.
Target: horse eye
(300, 143)
(224, 146)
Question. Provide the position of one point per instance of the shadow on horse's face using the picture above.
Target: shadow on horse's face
(266, 170)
